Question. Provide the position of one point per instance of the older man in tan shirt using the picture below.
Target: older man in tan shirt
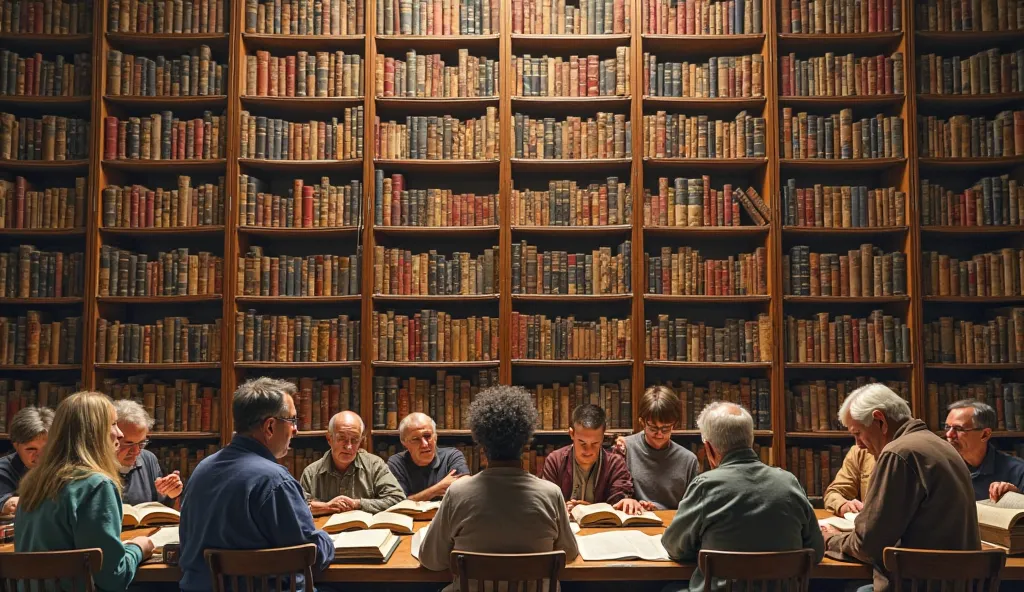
(846, 492)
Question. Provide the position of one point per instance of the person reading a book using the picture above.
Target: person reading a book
(969, 426)
(585, 471)
(741, 504)
(29, 429)
(425, 471)
(348, 477)
(72, 498)
(143, 479)
(661, 469)
(503, 508)
(920, 495)
(846, 491)
(240, 497)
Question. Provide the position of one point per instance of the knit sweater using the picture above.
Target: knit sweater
(660, 476)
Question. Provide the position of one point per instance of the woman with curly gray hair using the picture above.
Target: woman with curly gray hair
(502, 509)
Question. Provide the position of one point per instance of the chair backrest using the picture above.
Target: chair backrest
(513, 571)
(261, 569)
(923, 569)
(31, 572)
(782, 571)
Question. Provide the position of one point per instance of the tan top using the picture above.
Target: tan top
(852, 480)
(584, 482)
(367, 479)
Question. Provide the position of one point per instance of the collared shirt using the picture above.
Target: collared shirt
(852, 480)
(996, 466)
(367, 479)
(584, 482)
(414, 478)
(241, 498)
(139, 481)
(11, 472)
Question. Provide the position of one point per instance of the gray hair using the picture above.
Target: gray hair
(132, 413)
(861, 403)
(984, 414)
(726, 426)
(409, 419)
(29, 422)
(256, 400)
(503, 419)
(362, 426)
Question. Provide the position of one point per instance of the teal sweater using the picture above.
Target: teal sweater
(86, 514)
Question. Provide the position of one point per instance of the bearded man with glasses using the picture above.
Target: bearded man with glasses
(143, 479)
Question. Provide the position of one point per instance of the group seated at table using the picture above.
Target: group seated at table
(920, 492)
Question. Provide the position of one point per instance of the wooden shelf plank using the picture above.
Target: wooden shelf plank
(52, 43)
(734, 103)
(960, 101)
(436, 104)
(158, 299)
(462, 231)
(301, 103)
(531, 43)
(310, 43)
(974, 299)
(965, 40)
(708, 365)
(847, 365)
(832, 164)
(39, 367)
(299, 167)
(438, 166)
(611, 229)
(846, 299)
(822, 435)
(973, 367)
(475, 364)
(168, 42)
(51, 103)
(48, 233)
(571, 297)
(139, 102)
(61, 301)
(315, 233)
(737, 299)
(44, 166)
(708, 231)
(436, 298)
(745, 43)
(970, 164)
(299, 300)
(827, 232)
(186, 166)
(940, 230)
(572, 105)
(269, 365)
(835, 41)
(524, 362)
(172, 231)
(876, 101)
(707, 164)
(183, 435)
(158, 366)
(567, 165)
(390, 44)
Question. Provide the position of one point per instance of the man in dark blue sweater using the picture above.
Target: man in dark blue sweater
(240, 497)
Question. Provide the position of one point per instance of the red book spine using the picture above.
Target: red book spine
(727, 201)
(307, 206)
(110, 138)
(198, 136)
(396, 200)
(133, 218)
(150, 209)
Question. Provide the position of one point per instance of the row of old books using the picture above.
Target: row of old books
(999, 340)
(306, 205)
(400, 272)
(181, 406)
(986, 72)
(556, 403)
(839, 136)
(753, 393)
(429, 76)
(538, 337)
(678, 339)
(864, 272)
(162, 136)
(438, 17)
(167, 16)
(719, 77)
(558, 17)
(561, 272)
(57, 17)
(827, 17)
(137, 206)
(395, 204)
(694, 202)
(567, 204)
(194, 74)
(606, 135)
(476, 460)
(36, 338)
(844, 339)
(815, 468)
(184, 459)
(1007, 398)
(259, 274)
(47, 138)
(302, 338)
(998, 273)
(990, 201)
(967, 136)
(304, 17)
(671, 135)
(27, 272)
(305, 74)
(269, 138)
(177, 272)
(843, 206)
(980, 15)
(686, 272)
(834, 75)
(446, 399)
(38, 77)
(23, 207)
(701, 17)
(572, 76)
(813, 406)
(18, 394)
(317, 400)
(438, 137)
(165, 341)
(434, 336)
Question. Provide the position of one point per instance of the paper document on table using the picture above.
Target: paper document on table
(416, 540)
(166, 535)
(621, 544)
(575, 528)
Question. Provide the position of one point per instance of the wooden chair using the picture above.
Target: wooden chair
(37, 572)
(963, 571)
(261, 569)
(783, 571)
(514, 571)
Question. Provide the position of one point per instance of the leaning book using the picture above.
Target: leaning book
(149, 514)
(372, 546)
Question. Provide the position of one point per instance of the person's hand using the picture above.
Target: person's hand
(569, 505)
(647, 506)
(629, 506)
(853, 505)
(10, 505)
(144, 543)
(343, 503)
(442, 486)
(827, 530)
(170, 485)
(620, 445)
(998, 490)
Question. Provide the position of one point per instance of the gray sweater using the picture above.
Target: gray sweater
(660, 476)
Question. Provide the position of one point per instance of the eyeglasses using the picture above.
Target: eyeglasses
(958, 429)
(345, 441)
(665, 429)
(292, 420)
(140, 445)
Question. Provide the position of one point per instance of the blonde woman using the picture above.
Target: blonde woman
(72, 498)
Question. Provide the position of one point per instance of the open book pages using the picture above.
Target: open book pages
(415, 509)
(417, 539)
(149, 513)
(993, 515)
(606, 515)
(1011, 500)
(359, 519)
(364, 544)
(166, 535)
(838, 523)
(621, 544)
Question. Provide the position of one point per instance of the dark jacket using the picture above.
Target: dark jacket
(613, 482)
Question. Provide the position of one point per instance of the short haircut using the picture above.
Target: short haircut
(503, 419)
(727, 426)
(660, 404)
(861, 403)
(256, 400)
(984, 414)
(588, 416)
(330, 424)
(29, 423)
(132, 413)
(408, 419)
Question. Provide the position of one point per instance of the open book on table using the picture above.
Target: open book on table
(842, 523)
(418, 510)
(365, 545)
(364, 520)
(621, 544)
(149, 514)
(165, 536)
(1000, 522)
(605, 515)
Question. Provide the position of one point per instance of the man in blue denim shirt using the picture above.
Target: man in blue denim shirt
(240, 497)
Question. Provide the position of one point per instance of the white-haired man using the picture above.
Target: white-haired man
(741, 505)
(425, 471)
(920, 494)
(140, 470)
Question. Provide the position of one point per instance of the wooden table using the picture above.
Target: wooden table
(404, 568)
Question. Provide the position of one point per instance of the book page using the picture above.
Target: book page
(645, 517)
(1010, 501)
(580, 512)
(407, 505)
(1003, 518)
(148, 508)
(841, 524)
(621, 544)
(166, 534)
(417, 539)
(361, 539)
(352, 518)
(648, 547)
(391, 519)
(851, 516)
